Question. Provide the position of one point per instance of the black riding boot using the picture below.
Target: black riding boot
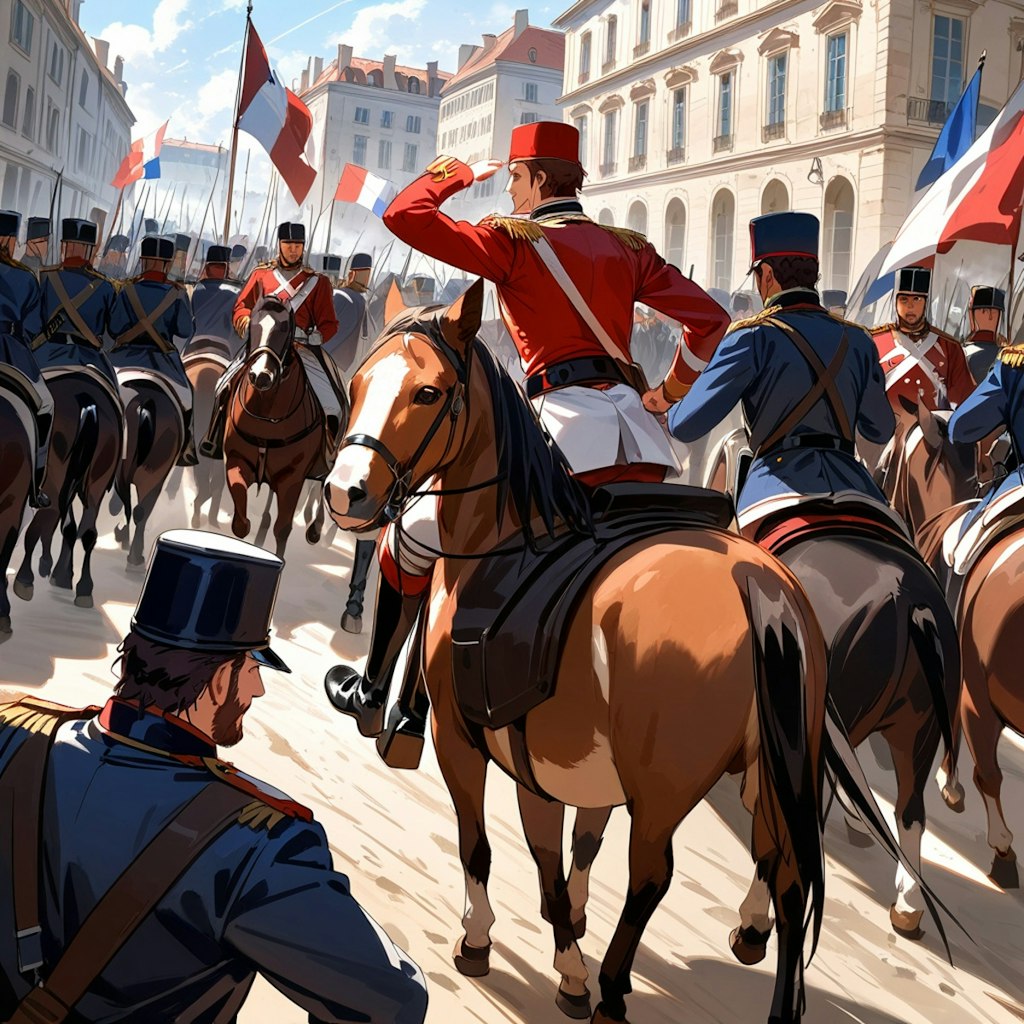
(188, 455)
(364, 697)
(212, 446)
(37, 498)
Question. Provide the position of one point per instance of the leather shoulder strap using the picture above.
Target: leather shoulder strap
(146, 322)
(823, 387)
(130, 900)
(70, 306)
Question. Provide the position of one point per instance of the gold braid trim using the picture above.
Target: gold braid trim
(515, 227)
(755, 320)
(1012, 355)
(258, 815)
(631, 239)
(882, 329)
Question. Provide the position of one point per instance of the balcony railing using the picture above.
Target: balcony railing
(607, 66)
(680, 31)
(726, 9)
(830, 119)
(584, 76)
(722, 143)
(676, 155)
(641, 48)
(638, 162)
(928, 111)
(607, 170)
(774, 130)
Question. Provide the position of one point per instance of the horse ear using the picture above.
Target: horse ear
(393, 304)
(460, 322)
(930, 427)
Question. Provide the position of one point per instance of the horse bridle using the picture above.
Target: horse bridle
(451, 408)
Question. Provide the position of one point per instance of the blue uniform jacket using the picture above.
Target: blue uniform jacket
(175, 325)
(758, 365)
(350, 309)
(19, 304)
(66, 346)
(213, 304)
(997, 402)
(254, 900)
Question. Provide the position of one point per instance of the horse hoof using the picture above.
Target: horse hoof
(748, 945)
(313, 534)
(240, 527)
(5, 627)
(1004, 870)
(135, 567)
(472, 961)
(84, 601)
(954, 798)
(906, 923)
(576, 1007)
(857, 838)
(24, 590)
(352, 623)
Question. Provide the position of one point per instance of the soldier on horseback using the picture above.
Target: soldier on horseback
(37, 243)
(982, 345)
(567, 287)
(351, 309)
(151, 311)
(77, 301)
(807, 380)
(309, 296)
(213, 303)
(19, 321)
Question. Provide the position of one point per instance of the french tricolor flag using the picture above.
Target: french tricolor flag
(358, 185)
(276, 118)
(143, 159)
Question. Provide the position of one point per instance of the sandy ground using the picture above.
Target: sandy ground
(394, 834)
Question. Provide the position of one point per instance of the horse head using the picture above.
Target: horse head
(271, 332)
(408, 406)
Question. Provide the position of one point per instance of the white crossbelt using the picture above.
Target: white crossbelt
(914, 355)
(294, 295)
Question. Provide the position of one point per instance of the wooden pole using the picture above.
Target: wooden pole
(1012, 306)
(234, 130)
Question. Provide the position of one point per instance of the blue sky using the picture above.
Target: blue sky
(181, 56)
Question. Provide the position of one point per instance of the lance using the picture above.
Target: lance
(167, 207)
(240, 216)
(53, 201)
(113, 219)
(181, 209)
(202, 226)
(234, 125)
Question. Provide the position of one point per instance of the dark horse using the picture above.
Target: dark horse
(275, 432)
(84, 453)
(16, 476)
(154, 440)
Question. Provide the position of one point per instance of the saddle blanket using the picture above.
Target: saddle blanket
(128, 376)
(1004, 514)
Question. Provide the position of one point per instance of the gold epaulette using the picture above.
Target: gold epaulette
(1012, 355)
(518, 228)
(753, 321)
(882, 329)
(12, 262)
(266, 809)
(631, 239)
(846, 323)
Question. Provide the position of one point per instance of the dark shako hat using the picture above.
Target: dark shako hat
(37, 227)
(833, 297)
(360, 261)
(206, 592)
(156, 248)
(331, 264)
(787, 233)
(914, 281)
(75, 229)
(238, 251)
(218, 254)
(983, 297)
(118, 243)
(151, 226)
(10, 222)
(290, 231)
(182, 242)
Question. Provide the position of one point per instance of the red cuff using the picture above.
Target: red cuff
(400, 580)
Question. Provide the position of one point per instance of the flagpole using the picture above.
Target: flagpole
(1013, 270)
(239, 217)
(234, 130)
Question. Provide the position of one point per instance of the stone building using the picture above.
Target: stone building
(698, 115)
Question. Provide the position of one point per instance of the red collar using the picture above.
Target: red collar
(153, 275)
(157, 728)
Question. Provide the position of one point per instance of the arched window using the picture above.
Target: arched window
(53, 129)
(775, 198)
(376, 78)
(83, 89)
(675, 232)
(723, 217)
(28, 122)
(11, 100)
(636, 219)
(605, 217)
(838, 233)
(414, 85)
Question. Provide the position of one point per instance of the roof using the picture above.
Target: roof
(361, 67)
(550, 47)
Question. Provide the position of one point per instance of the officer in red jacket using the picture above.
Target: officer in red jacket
(310, 296)
(921, 363)
(566, 287)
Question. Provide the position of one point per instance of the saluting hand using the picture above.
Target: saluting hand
(484, 169)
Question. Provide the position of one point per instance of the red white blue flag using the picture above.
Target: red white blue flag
(358, 185)
(143, 159)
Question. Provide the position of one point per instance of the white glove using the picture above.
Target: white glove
(484, 169)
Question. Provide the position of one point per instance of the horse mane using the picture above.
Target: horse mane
(533, 473)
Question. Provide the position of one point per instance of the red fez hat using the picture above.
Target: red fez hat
(545, 140)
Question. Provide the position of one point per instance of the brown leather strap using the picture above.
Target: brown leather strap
(69, 307)
(823, 387)
(130, 900)
(146, 322)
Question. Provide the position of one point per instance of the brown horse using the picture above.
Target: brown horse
(690, 655)
(16, 473)
(203, 369)
(85, 449)
(275, 431)
(155, 436)
(990, 619)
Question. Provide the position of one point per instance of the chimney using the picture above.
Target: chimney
(318, 68)
(390, 82)
(304, 80)
(489, 40)
(102, 48)
(521, 23)
(119, 70)
(466, 50)
(433, 85)
(344, 57)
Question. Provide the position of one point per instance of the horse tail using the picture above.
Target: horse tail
(790, 769)
(145, 437)
(927, 643)
(80, 455)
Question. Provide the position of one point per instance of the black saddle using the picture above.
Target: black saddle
(509, 628)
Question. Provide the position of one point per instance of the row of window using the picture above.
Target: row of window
(467, 132)
(360, 143)
(467, 100)
(413, 122)
(683, 21)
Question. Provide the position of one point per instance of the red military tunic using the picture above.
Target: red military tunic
(612, 270)
(916, 368)
(267, 279)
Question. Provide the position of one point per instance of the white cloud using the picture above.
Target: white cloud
(207, 118)
(368, 33)
(137, 43)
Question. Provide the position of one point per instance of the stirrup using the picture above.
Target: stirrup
(188, 455)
